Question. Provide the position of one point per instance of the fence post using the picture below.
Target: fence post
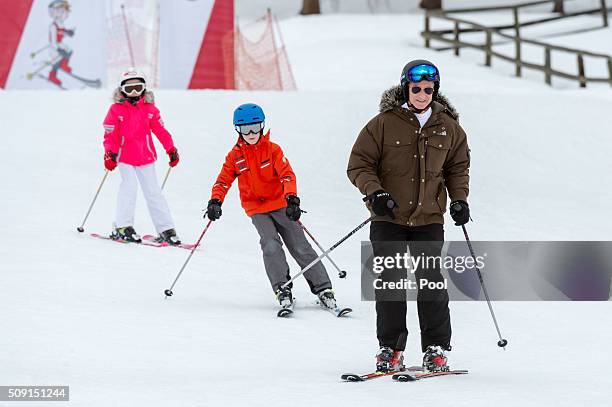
(604, 13)
(456, 43)
(427, 40)
(547, 66)
(610, 70)
(488, 49)
(517, 40)
(581, 76)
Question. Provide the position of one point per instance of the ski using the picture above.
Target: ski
(93, 83)
(50, 81)
(153, 239)
(338, 311)
(414, 375)
(143, 243)
(286, 311)
(351, 377)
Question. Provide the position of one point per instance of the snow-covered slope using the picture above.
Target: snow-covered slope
(91, 314)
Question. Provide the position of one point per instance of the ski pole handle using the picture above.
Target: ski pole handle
(80, 228)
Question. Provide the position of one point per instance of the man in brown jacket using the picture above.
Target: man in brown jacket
(404, 161)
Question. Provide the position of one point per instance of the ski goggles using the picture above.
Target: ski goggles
(423, 73)
(417, 89)
(253, 128)
(133, 89)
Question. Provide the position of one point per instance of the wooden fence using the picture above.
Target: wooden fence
(487, 46)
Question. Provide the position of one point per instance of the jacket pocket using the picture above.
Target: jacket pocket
(266, 171)
(442, 199)
(399, 157)
(434, 199)
(436, 150)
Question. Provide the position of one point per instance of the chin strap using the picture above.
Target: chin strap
(419, 111)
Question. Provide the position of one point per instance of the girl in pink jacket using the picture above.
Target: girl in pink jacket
(128, 145)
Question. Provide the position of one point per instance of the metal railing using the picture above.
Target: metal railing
(518, 40)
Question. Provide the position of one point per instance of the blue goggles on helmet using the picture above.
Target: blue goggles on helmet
(423, 73)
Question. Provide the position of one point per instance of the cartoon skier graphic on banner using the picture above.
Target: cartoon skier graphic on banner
(59, 52)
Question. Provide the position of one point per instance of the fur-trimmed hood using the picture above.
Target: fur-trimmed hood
(394, 98)
(119, 98)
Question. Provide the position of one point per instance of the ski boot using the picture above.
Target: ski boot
(168, 236)
(434, 359)
(389, 360)
(327, 299)
(284, 297)
(54, 79)
(127, 234)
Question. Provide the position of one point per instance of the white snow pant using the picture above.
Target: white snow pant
(126, 200)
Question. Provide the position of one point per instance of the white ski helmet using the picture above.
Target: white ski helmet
(59, 9)
(131, 73)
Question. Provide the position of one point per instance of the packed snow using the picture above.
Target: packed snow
(91, 314)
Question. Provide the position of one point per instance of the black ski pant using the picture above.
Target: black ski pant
(389, 239)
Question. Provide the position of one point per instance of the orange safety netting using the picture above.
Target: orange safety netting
(261, 64)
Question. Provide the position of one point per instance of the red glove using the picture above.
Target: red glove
(174, 156)
(110, 160)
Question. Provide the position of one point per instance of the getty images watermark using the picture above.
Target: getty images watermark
(512, 271)
(412, 264)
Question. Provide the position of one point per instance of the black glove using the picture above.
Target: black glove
(460, 212)
(382, 203)
(214, 209)
(293, 210)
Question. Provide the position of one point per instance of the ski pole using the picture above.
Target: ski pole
(166, 177)
(502, 342)
(326, 252)
(169, 292)
(341, 273)
(80, 228)
(33, 54)
(30, 75)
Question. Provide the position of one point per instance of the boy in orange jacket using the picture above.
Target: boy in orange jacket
(268, 194)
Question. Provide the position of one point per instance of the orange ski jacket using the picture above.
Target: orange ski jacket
(265, 177)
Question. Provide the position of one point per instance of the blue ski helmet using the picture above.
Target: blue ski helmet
(248, 113)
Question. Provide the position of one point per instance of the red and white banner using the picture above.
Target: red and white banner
(196, 55)
(75, 44)
(62, 45)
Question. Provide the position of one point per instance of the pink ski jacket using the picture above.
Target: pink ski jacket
(127, 130)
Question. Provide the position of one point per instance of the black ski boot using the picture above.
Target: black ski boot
(169, 236)
(434, 359)
(389, 360)
(284, 297)
(327, 299)
(127, 234)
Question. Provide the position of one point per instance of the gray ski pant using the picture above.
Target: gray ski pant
(269, 226)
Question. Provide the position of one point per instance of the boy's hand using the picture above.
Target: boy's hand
(214, 209)
(293, 210)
